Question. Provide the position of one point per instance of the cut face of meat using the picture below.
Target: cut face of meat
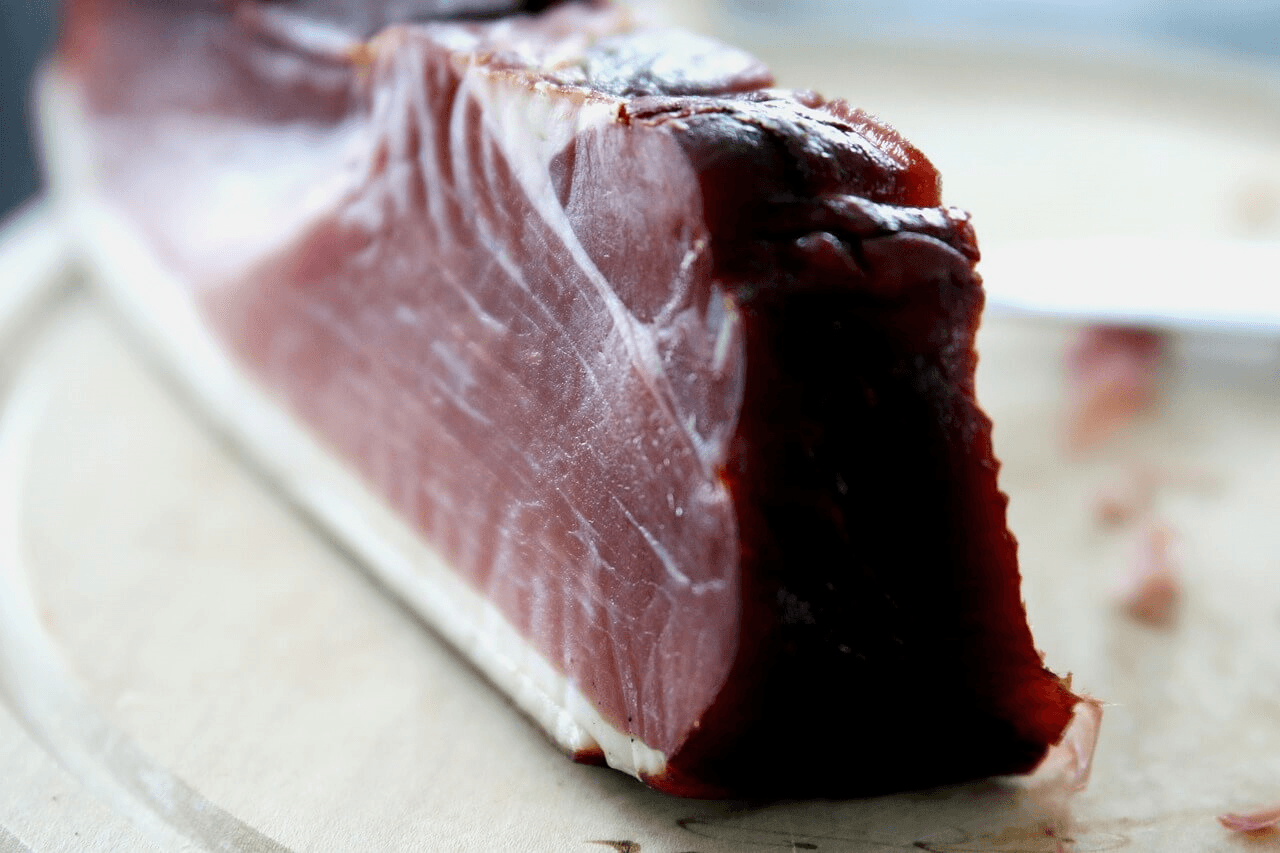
(670, 372)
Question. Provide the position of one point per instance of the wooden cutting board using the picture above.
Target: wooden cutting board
(187, 663)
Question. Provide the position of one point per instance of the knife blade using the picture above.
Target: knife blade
(1188, 284)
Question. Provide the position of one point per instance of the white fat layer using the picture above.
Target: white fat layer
(160, 308)
(242, 193)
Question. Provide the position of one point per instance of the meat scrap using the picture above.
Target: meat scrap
(1153, 588)
(1128, 498)
(1132, 495)
(1114, 374)
(1069, 763)
(1255, 821)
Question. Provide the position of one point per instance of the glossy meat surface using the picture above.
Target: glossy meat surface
(673, 368)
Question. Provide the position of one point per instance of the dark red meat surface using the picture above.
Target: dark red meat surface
(674, 368)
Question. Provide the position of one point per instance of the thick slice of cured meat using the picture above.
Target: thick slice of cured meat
(650, 386)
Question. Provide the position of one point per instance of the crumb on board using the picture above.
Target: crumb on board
(1114, 376)
(1069, 763)
(1152, 590)
(1127, 498)
(1132, 494)
(1257, 206)
(1255, 821)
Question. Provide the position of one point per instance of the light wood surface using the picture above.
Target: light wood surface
(186, 660)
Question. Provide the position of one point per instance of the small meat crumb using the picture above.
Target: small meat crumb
(1069, 763)
(1257, 206)
(1128, 498)
(1152, 591)
(1131, 496)
(1256, 821)
(1114, 373)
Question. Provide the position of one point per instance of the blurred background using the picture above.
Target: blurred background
(786, 32)
(26, 31)
(1233, 26)
(1055, 118)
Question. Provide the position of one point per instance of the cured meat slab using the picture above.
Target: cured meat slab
(650, 387)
